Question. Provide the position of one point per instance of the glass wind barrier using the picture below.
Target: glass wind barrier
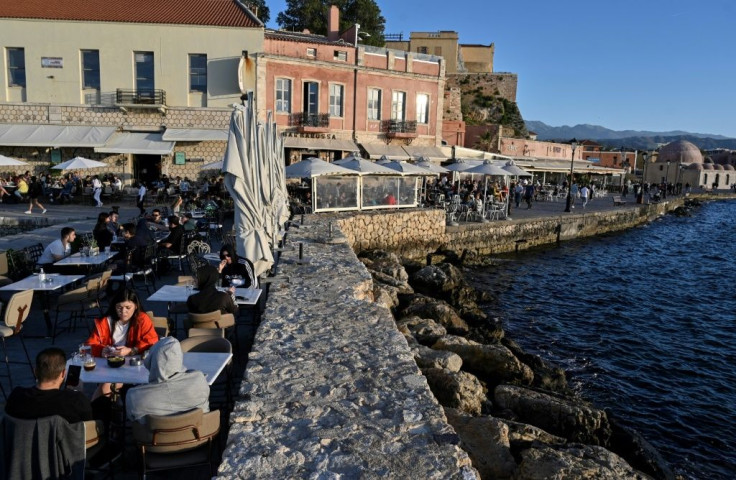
(382, 191)
(335, 193)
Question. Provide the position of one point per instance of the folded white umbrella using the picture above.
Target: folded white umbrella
(315, 167)
(79, 163)
(10, 162)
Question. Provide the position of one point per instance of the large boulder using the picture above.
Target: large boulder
(493, 362)
(487, 442)
(428, 358)
(546, 376)
(579, 462)
(425, 330)
(459, 390)
(381, 278)
(385, 295)
(384, 262)
(437, 310)
(523, 435)
(574, 420)
(446, 282)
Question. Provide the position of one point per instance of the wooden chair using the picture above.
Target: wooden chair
(4, 270)
(176, 441)
(16, 313)
(77, 303)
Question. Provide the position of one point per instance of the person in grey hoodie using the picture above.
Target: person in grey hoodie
(171, 389)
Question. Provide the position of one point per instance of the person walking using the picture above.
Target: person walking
(141, 197)
(518, 191)
(97, 190)
(35, 190)
(584, 195)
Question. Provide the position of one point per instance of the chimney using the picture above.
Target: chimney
(333, 23)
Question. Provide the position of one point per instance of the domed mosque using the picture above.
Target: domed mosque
(681, 162)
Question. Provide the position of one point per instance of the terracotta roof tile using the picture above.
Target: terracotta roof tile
(225, 13)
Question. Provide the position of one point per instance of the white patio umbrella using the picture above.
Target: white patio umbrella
(459, 165)
(212, 166)
(243, 182)
(487, 168)
(515, 170)
(10, 162)
(382, 160)
(79, 163)
(315, 167)
(436, 169)
(364, 167)
(406, 168)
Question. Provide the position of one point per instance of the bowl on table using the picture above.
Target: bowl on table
(115, 362)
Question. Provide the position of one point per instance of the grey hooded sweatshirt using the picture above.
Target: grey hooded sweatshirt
(171, 388)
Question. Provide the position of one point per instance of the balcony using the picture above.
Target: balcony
(400, 129)
(310, 122)
(145, 98)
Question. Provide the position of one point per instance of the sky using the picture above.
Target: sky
(655, 65)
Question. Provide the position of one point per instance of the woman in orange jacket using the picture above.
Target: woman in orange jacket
(126, 330)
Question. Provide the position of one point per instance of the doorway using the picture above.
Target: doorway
(147, 167)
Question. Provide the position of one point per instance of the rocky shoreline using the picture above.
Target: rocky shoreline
(515, 414)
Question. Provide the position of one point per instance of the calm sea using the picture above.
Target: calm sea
(644, 322)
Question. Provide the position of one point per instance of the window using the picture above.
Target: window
(283, 95)
(311, 98)
(398, 102)
(311, 52)
(198, 72)
(16, 67)
(91, 69)
(144, 71)
(422, 108)
(374, 104)
(422, 50)
(342, 56)
(336, 99)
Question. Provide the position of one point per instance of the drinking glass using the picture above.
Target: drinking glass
(190, 288)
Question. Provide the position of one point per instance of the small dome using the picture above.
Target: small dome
(695, 166)
(717, 167)
(708, 166)
(708, 160)
(729, 167)
(680, 151)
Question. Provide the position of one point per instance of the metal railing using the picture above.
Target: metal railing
(399, 126)
(309, 120)
(145, 96)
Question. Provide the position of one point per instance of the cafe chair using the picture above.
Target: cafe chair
(16, 313)
(4, 270)
(176, 441)
(77, 303)
(206, 332)
(100, 453)
(213, 344)
(26, 451)
(160, 324)
(216, 319)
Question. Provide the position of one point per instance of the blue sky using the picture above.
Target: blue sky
(654, 65)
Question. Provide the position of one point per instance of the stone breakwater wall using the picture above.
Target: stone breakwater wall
(417, 232)
(331, 389)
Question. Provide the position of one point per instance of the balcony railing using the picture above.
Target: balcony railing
(398, 126)
(144, 96)
(319, 120)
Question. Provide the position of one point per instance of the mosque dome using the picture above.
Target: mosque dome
(708, 166)
(708, 160)
(680, 151)
(695, 166)
(729, 167)
(717, 167)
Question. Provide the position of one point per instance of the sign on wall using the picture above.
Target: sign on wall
(52, 62)
(55, 156)
(180, 158)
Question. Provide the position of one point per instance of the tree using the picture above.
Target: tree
(260, 9)
(312, 15)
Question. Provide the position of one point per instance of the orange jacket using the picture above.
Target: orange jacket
(141, 334)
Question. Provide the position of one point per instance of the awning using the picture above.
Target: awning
(320, 144)
(137, 143)
(55, 136)
(194, 135)
(432, 153)
(391, 152)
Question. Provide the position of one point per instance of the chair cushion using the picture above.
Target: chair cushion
(5, 331)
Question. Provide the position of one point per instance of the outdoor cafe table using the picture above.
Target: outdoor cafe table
(178, 293)
(89, 262)
(55, 282)
(209, 363)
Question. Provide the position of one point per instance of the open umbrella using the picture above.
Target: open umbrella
(426, 164)
(243, 182)
(487, 168)
(10, 162)
(79, 163)
(315, 167)
(382, 160)
(406, 168)
(515, 170)
(364, 167)
(459, 165)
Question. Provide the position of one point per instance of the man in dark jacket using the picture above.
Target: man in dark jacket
(209, 298)
(176, 235)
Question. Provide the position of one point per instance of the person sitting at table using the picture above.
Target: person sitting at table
(156, 222)
(126, 330)
(171, 387)
(112, 225)
(145, 233)
(233, 265)
(133, 249)
(176, 234)
(46, 397)
(102, 235)
(187, 223)
(209, 299)
(57, 249)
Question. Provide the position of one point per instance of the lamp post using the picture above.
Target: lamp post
(623, 174)
(574, 145)
(640, 197)
(667, 179)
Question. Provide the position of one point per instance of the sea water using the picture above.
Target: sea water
(644, 322)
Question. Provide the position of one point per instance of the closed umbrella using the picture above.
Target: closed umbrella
(79, 163)
(242, 180)
(10, 162)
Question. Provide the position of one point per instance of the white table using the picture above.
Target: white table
(79, 260)
(56, 282)
(178, 293)
(211, 364)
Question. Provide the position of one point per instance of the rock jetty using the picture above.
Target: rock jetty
(514, 413)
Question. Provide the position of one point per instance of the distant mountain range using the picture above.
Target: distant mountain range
(627, 138)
